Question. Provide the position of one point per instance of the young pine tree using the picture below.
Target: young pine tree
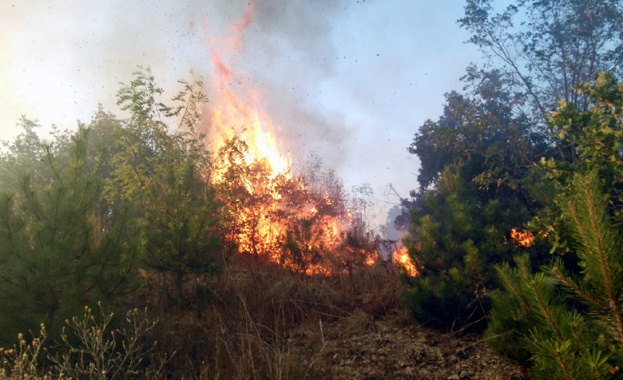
(163, 178)
(533, 318)
(55, 255)
(461, 238)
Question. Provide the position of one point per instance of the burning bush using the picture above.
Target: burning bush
(277, 217)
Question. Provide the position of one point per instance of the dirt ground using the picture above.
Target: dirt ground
(357, 347)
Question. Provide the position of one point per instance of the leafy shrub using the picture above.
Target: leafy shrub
(89, 348)
(567, 319)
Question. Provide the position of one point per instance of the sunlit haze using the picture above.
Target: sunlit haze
(349, 80)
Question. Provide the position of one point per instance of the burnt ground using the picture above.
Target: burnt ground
(357, 347)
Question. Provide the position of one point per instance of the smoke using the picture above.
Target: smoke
(347, 79)
(79, 52)
(286, 49)
(66, 56)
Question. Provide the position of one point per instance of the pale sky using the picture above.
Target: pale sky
(351, 80)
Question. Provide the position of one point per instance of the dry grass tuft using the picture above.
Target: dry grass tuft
(241, 324)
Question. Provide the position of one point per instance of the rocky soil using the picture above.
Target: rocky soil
(357, 347)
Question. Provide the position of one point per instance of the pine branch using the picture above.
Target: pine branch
(596, 214)
(576, 289)
(597, 242)
(544, 309)
(504, 276)
(563, 364)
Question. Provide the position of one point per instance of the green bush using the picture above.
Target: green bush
(55, 252)
(566, 321)
(533, 319)
(88, 348)
(460, 239)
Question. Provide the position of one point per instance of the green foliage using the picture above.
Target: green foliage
(25, 155)
(477, 183)
(460, 240)
(83, 214)
(164, 178)
(595, 135)
(548, 47)
(564, 340)
(480, 176)
(480, 132)
(55, 255)
(82, 211)
(584, 338)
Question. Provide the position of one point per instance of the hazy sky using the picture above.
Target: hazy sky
(349, 79)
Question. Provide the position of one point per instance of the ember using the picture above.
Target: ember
(523, 239)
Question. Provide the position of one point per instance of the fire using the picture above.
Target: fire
(401, 257)
(370, 260)
(523, 239)
(232, 117)
(273, 214)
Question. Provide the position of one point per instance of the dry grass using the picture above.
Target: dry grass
(257, 309)
(240, 324)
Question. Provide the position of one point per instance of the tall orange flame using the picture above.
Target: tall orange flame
(401, 258)
(231, 117)
(275, 216)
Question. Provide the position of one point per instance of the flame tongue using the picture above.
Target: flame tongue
(233, 118)
(273, 215)
(401, 257)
